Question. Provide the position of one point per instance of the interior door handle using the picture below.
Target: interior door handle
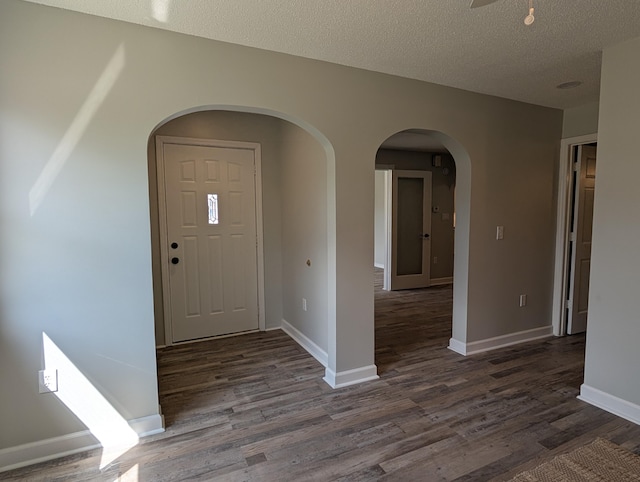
(175, 260)
(425, 236)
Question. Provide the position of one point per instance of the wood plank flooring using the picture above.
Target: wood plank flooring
(255, 408)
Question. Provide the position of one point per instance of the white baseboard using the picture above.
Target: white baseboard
(457, 346)
(350, 377)
(441, 281)
(335, 380)
(499, 341)
(305, 342)
(610, 403)
(53, 448)
(149, 425)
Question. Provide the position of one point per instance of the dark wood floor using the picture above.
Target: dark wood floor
(255, 408)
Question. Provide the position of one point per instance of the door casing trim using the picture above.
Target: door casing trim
(565, 167)
(162, 220)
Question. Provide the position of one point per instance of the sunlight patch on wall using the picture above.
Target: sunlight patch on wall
(160, 10)
(89, 405)
(76, 129)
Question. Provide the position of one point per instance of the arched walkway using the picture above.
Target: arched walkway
(298, 196)
(436, 141)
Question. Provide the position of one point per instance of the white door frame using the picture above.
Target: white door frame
(565, 177)
(162, 219)
(388, 204)
(387, 169)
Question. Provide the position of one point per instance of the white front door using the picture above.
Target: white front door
(210, 245)
(578, 303)
(410, 229)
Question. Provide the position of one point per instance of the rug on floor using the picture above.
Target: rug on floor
(600, 460)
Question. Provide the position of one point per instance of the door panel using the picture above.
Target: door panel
(410, 222)
(216, 292)
(191, 276)
(411, 229)
(210, 216)
(578, 303)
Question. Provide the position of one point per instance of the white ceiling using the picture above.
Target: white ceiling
(487, 50)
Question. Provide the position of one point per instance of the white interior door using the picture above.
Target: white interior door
(210, 248)
(410, 229)
(578, 303)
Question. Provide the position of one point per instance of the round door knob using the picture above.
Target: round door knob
(174, 245)
(426, 235)
(175, 260)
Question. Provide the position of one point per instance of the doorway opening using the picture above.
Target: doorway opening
(289, 161)
(576, 188)
(414, 241)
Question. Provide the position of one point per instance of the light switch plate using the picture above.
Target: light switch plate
(523, 301)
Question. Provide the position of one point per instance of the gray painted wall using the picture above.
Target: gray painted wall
(581, 120)
(80, 267)
(612, 354)
(304, 233)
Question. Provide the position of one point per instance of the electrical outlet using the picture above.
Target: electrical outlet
(435, 260)
(304, 304)
(48, 381)
(500, 232)
(523, 300)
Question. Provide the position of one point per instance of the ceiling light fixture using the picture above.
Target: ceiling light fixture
(529, 19)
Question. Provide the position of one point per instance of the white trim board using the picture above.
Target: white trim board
(610, 403)
(441, 281)
(56, 447)
(305, 342)
(565, 176)
(503, 341)
(386, 276)
(350, 377)
(335, 380)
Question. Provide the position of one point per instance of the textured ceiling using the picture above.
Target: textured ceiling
(487, 50)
